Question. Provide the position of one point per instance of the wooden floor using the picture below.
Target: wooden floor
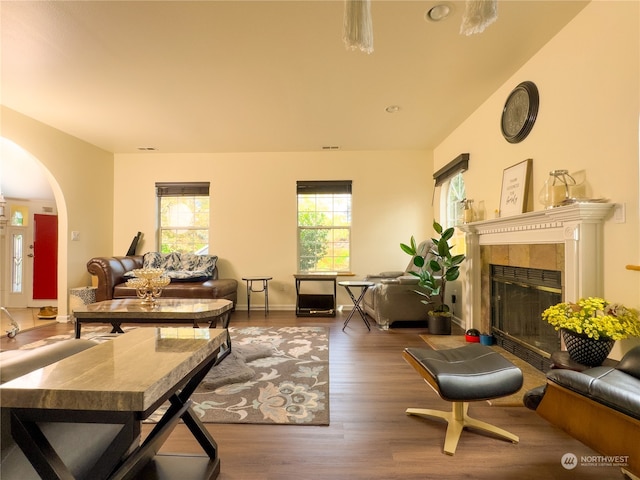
(26, 318)
(370, 436)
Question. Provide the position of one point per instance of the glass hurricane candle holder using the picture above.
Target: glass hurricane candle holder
(557, 189)
(148, 283)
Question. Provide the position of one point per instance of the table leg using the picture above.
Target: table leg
(78, 327)
(249, 288)
(265, 287)
(224, 318)
(116, 327)
(181, 398)
(356, 307)
(25, 429)
(360, 311)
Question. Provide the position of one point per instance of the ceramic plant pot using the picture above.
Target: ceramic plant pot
(586, 350)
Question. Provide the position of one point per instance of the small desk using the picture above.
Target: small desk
(120, 382)
(356, 300)
(265, 289)
(318, 304)
(165, 310)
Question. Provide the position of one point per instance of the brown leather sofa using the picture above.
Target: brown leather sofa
(110, 272)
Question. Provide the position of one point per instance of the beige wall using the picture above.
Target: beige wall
(253, 217)
(589, 83)
(588, 80)
(81, 176)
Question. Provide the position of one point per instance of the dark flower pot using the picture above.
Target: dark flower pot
(586, 350)
(439, 324)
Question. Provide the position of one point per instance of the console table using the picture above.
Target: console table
(165, 310)
(119, 382)
(315, 304)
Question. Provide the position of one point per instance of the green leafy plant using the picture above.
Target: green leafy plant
(594, 317)
(434, 273)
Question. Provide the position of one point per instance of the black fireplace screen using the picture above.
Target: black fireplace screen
(518, 298)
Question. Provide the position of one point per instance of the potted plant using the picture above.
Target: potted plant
(433, 274)
(591, 326)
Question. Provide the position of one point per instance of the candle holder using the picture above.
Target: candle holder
(148, 283)
(557, 189)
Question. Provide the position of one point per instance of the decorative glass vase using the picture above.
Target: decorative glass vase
(586, 350)
(557, 189)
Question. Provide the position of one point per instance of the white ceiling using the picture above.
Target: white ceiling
(219, 76)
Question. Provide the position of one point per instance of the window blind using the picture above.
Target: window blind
(459, 164)
(182, 189)
(310, 187)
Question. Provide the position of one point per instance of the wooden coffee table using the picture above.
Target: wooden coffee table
(120, 382)
(165, 310)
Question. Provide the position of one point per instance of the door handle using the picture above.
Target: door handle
(30, 255)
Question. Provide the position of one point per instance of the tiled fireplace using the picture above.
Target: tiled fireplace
(565, 243)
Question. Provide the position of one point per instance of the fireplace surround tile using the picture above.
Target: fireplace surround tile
(568, 239)
(540, 256)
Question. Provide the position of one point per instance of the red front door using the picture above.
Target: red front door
(45, 257)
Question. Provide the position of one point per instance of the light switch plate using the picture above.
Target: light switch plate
(619, 213)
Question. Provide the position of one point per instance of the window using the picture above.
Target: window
(455, 194)
(17, 264)
(453, 191)
(183, 210)
(324, 226)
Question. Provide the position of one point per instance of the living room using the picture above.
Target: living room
(588, 76)
(582, 90)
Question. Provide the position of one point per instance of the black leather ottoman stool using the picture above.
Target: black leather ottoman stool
(461, 375)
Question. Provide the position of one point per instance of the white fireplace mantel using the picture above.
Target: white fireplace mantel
(579, 227)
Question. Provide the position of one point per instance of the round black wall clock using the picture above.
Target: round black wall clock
(520, 112)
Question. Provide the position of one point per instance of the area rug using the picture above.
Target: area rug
(97, 334)
(531, 375)
(273, 376)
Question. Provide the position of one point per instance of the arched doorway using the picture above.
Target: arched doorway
(29, 231)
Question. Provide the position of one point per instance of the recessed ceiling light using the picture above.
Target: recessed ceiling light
(392, 109)
(439, 12)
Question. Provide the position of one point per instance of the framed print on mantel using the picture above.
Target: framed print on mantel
(515, 197)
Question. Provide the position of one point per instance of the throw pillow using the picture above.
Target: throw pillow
(204, 263)
(168, 261)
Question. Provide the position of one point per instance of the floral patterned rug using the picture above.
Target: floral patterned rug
(288, 383)
(274, 376)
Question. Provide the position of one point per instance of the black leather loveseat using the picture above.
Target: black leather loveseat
(599, 406)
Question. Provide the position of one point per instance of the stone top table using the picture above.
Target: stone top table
(118, 382)
(132, 372)
(165, 310)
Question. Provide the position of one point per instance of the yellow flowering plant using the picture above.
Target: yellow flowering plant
(595, 317)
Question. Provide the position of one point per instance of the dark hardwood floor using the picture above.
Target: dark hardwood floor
(370, 436)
